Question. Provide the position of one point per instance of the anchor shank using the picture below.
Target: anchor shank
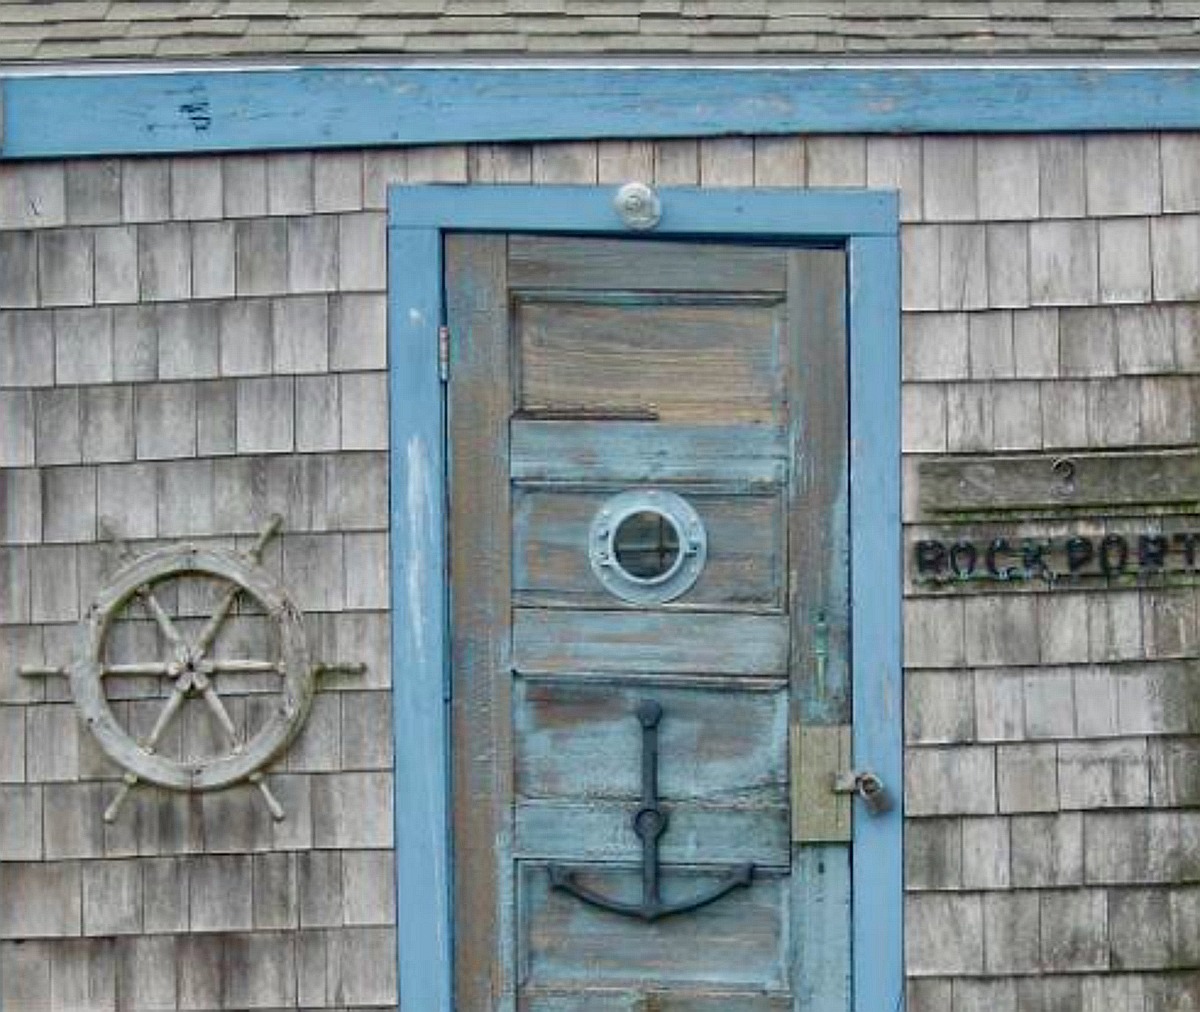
(648, 821)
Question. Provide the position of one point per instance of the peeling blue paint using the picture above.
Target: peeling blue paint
(867, 222)
(225, 110)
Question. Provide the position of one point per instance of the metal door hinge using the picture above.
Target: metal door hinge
(443, 353)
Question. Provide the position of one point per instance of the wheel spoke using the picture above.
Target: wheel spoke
(161, 617)
(232, 666)
(174, 701)
(213, 626)
(147, 668)
(222, 715)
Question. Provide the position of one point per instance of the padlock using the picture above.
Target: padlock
(866, 785)
(875, 796)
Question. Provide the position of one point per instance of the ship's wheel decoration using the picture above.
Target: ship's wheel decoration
(193, 668)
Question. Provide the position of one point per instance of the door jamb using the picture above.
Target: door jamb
(866, 222)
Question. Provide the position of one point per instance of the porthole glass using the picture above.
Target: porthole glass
(647, 546)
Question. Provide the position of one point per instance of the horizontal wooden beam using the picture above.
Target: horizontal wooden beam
(56, 115)
(976, 484)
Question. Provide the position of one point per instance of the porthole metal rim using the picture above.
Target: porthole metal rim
(687, 566)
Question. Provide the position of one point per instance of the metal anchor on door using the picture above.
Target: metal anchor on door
(650, 823)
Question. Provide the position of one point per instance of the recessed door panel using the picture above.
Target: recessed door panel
(743, 571)
(648, 581)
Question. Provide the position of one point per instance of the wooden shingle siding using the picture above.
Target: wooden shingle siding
(201, 29)
(218, 325)
(194, 364)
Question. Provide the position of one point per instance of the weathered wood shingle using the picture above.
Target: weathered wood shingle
(203, 29)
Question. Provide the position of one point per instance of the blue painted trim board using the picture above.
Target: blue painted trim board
(419, 641)
(876, 631)
(49, 116)
(867, 222)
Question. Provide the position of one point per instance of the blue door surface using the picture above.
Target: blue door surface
(648, 529)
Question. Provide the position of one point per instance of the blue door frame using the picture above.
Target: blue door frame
(866, 222)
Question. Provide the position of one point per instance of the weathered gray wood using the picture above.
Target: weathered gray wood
(1061, 190)
(601, 831)
(165, 895)
(821, 941)
(819, 754)
(744, 569)
(319, 884)
(145, 189)
(553, 641)
(962, 267)
(480, 402)
(116, 264)
(265, 415)
(1146, 477)
(312, 254)
(628, 452)
(677, 163)
(65, 268)
(353, 810)
(54, 421)
(40, 900)
(362, 257)
(357, 332)
(363, 399)
(620, 161)
(258, 970)
(950, 179)
(653, 357)
(368, 887)
(361, 967)
(164, 262)
(1063, 267)
(112, 898)
(740, 941)
(622, 264)
(196, 186)
(244, 185)
(661, 1000)
(1124, 260)
(837, 161)
(213, 259)
(727, 161)
(570, 162)
(220, 893)
(146, 971)
(1007, 178)
(300, 334)
(818, 522)
(337, 180)
(83, 975)
(597, 362)
(580, 740)
(261, 252)
(21, 830)
(165, 421)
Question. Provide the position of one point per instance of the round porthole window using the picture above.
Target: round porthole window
(647, 546)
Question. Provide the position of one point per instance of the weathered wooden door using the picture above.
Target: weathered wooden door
(648, 526)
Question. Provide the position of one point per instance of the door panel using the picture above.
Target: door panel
(584, 369)
(739, 942)
(621, 264)
(663, 357)
(554, 640)
(744, 570)
(740, 455)
(573, 741)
